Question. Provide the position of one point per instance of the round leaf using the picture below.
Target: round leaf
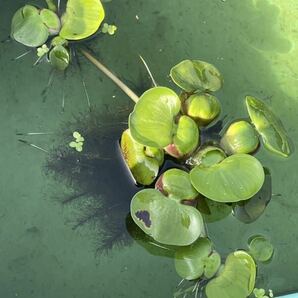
(236, 178)
(268, 126)
(27, 27)
(152, 121)
(143, 162)
(185, 139)
(176, 183)
(81, 19)
(51, 20)
(261, 248)
(207, 157)
(236, 280)
(203, 108)
(196, 75)
(240, 137)
(196, 260)
(59, 57)
(166, 219)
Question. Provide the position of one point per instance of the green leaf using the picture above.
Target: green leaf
(76, 134)
(185, 139)
(196, 260)
(51, 5)
(236, 280)
(73, 144)
(260, 248)
(79, 147)
(203, 108)
(152, 121)
(59, 57)
(268, 126)
(236, 178)
(206, 157)
(176, 183)
(240, 137)
(250, 210)
(51, 20)
(259, 293)
(27, 27)
(81, 19)
(196, 75)
(43, 50)
(165, 219)
(143, 162)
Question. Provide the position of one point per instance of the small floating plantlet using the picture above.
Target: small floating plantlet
(78, 143)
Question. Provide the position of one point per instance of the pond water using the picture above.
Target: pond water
(63, 217)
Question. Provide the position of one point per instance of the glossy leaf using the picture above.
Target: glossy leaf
(185, 139)
(240, 137)
(268, 126)
(196, 75)
(152, 121)
(207, 157)
(143, 162)
(81, 19)
(260, 248)
(176, 183)
(237, 278)
(59, 57)
(27, 27)
(250, 210)
(236, 178)
(165, 218)
(51, 20)
(203, 108)
(196, 260)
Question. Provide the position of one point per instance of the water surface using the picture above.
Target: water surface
(252, 42)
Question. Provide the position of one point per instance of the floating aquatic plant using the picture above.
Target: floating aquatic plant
(268, 126)
(261, 293)
(78, 143)
(236, 279)
(260, 248)
(55, 35)
(110, 29)
(197, 260)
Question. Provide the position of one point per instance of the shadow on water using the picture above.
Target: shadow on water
(98, 177)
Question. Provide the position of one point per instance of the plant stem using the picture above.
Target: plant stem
(111, 76)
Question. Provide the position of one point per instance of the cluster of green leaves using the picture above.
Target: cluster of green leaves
(78, 143)
(45, 30)
(224, 176)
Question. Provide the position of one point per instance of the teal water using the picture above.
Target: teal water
(253, 43)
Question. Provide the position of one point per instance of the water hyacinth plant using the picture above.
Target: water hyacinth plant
(57, 37)
(45, 28)
(221, 176)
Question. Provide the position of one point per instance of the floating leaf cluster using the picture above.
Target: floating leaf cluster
(220, 176)
(50, 33)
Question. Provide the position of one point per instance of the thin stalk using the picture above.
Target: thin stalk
(149, 71)
(33, 146)
(33, 133)
(111, 76)
(22, 55)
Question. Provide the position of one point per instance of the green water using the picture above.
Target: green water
(253, 43)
